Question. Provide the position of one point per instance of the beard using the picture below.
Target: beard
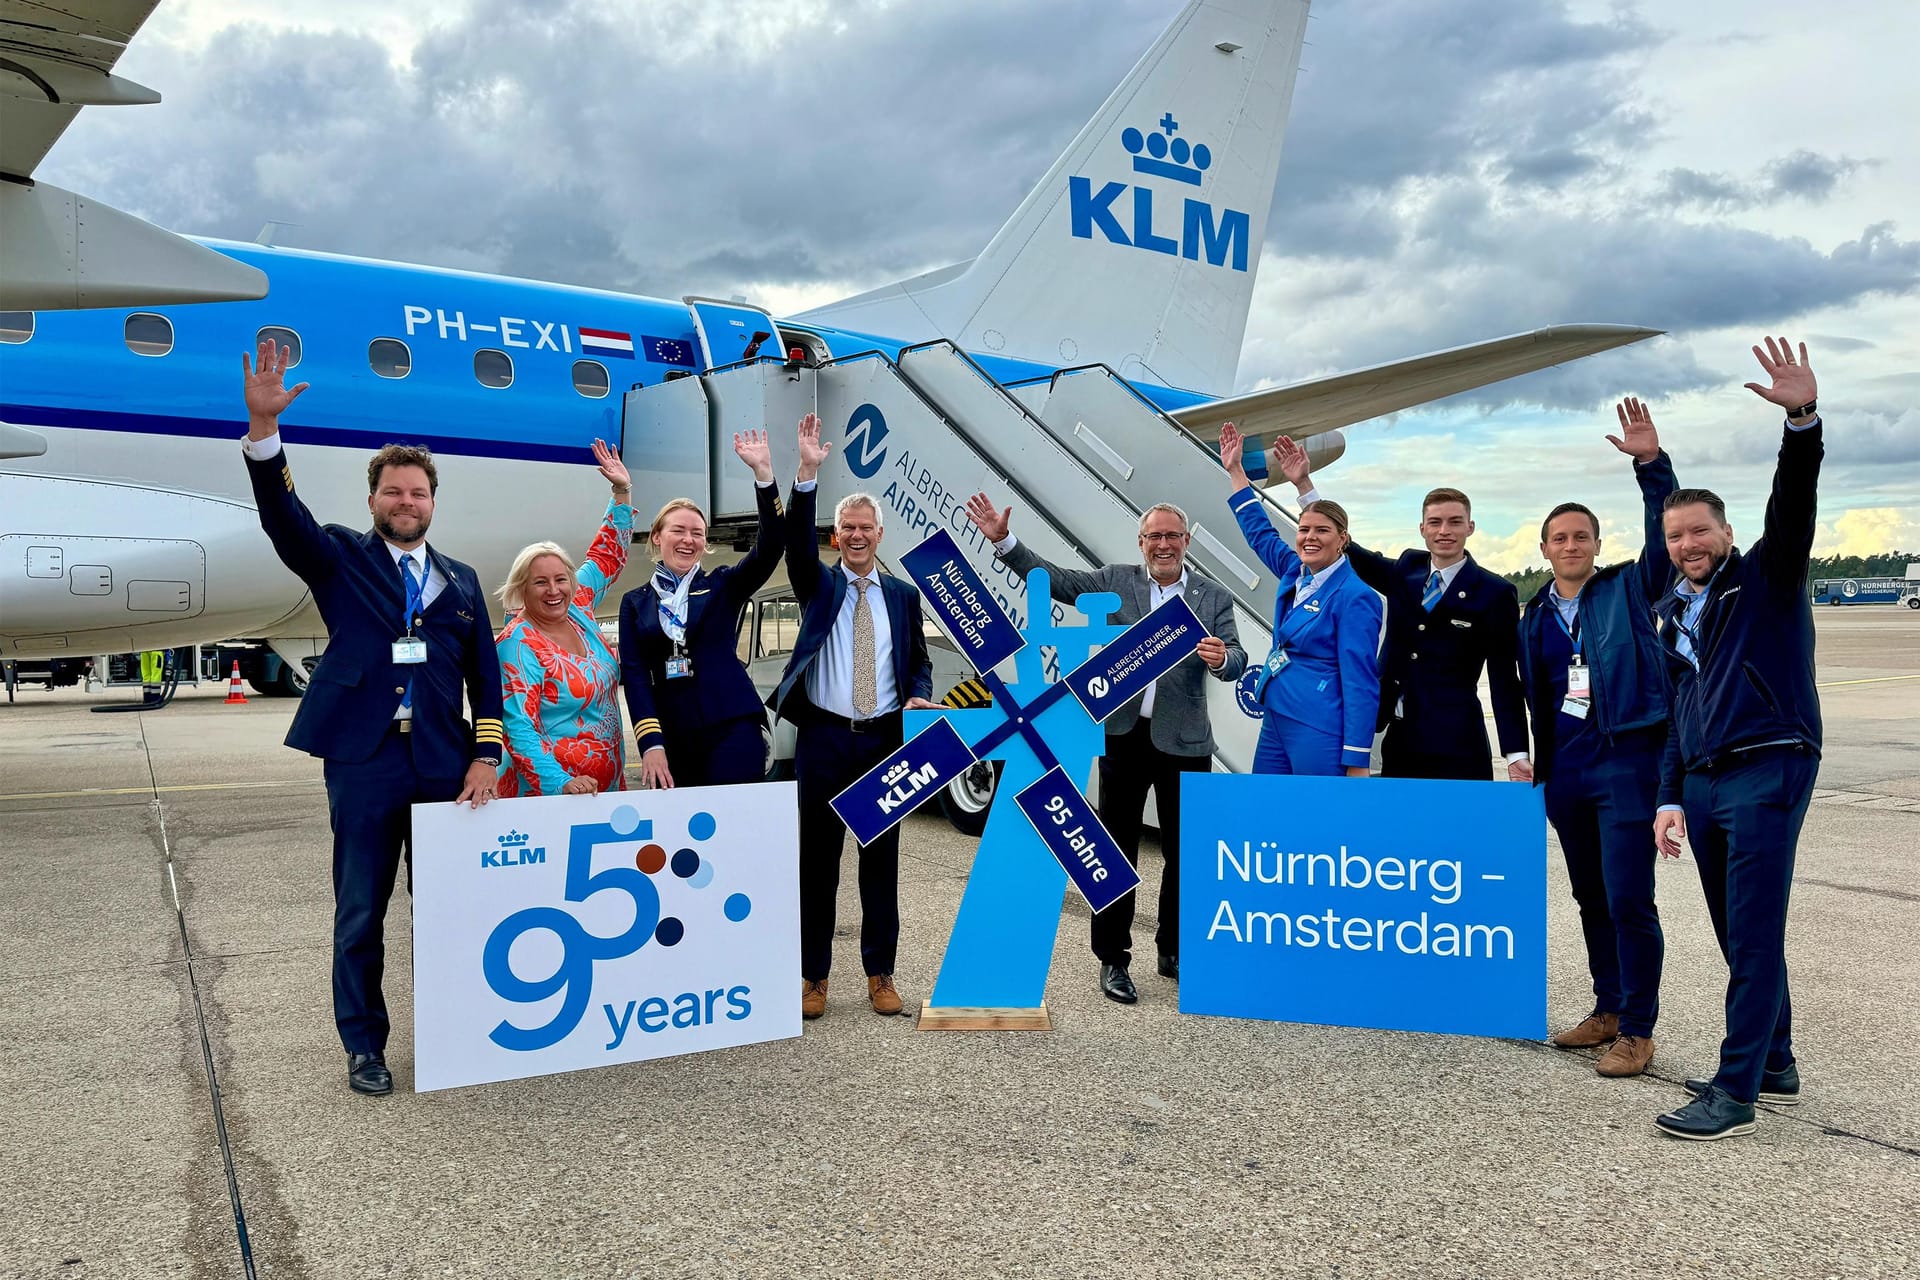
(385, 529)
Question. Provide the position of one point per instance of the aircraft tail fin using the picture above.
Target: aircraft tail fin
(1139, 247)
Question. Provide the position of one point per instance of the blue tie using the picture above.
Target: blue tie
(415, 590)
(1434, 591)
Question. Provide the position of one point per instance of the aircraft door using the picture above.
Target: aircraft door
(726, 331)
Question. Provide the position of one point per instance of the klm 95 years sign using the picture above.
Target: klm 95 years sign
(562, 932)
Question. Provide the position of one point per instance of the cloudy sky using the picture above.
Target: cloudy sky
(1453, 170)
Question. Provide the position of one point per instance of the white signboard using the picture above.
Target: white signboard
(561, 932)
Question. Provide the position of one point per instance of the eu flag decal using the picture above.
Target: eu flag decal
(667, 350)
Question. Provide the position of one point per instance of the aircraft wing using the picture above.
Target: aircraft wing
(1319, 405)
(57, 57)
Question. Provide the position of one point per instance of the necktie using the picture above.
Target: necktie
(865, 694)
(415, 589)
(1433, 592)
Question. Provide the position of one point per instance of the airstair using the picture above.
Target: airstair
(1079, 456)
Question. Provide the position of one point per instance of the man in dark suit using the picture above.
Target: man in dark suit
(1447, 620)
(1744, 745)
(406, 629)
(860, 660)
(1160, 735)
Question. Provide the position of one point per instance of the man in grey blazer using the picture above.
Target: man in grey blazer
(1161, 734)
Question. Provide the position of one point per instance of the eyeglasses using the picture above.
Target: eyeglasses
(1163, 537)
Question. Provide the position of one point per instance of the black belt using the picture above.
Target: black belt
(872, 724)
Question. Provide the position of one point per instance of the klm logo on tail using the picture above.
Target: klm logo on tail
(1220, 236)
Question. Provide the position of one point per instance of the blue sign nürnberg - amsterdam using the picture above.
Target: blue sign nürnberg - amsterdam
(1137, 657)
(1397, 903)
(961, 603)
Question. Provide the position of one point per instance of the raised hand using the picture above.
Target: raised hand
(1293, 462)
(813, 450)
(265, 388)
(988, 519)
(1793, 383)
(753, 448)
(1637, 435)
(612, 468)
(1230, 445)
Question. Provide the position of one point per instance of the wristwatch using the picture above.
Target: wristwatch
(1807, 410)
(491, 761)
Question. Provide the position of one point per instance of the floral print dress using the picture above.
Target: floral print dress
(562, 711)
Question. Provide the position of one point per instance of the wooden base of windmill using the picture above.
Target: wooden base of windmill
(956, 1018)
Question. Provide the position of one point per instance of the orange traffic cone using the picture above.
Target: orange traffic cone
(234, 692)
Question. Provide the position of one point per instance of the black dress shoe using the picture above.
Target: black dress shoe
(1170, 967)
(1115, 984)
(367, 1073)
(1713, 1115)
(1781, 1088)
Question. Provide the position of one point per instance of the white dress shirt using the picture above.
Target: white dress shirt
(830, 675)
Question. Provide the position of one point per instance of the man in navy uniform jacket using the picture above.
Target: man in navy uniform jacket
(1447, 620)
(406, 629)
(1744, 746)
(860, 660)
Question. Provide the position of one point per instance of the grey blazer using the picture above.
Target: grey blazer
(1181, 726)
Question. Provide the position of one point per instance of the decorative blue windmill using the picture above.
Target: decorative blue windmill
(1046, 737)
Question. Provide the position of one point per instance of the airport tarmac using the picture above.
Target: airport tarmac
(164, 894)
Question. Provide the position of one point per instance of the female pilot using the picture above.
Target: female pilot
(1319, 689)
(697, 719)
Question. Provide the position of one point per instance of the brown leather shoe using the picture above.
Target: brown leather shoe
(813, 998)
(885, 999)
(1590, 1032)
(1626, 1056)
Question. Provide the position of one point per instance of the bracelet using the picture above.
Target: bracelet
(1806, 410)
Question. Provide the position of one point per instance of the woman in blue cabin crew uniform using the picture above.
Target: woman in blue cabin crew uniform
(1319, 689)
(697, 719)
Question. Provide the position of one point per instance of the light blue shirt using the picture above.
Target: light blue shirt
(1569, 610)
(830, 675)
(1689, 619)
(1312, 582)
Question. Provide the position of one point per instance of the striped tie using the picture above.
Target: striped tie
(1434, 591)
(865, 686)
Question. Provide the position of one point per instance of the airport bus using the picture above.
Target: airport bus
(1867, 591)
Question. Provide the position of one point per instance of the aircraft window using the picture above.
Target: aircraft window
(493, 368)
(390, 357)
(148, 334)
(285, 337)
(590, 379)
(17, 326)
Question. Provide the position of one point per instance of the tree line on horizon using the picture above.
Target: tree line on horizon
(1891, 564)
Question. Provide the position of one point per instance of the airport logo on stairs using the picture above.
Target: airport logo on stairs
(1221, 236)
(865, 431)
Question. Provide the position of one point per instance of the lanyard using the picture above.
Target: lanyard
(1573, 631)
(416, 591)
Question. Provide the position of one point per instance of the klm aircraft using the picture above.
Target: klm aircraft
(1076, 368)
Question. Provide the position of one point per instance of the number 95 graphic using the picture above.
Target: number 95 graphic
(578, 948)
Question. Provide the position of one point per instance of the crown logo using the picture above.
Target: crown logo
(1166, 156)
(513, 840)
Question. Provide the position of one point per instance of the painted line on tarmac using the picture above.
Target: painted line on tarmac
(1835, 684)
(86, 792)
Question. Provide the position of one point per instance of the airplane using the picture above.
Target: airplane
(1079, 366)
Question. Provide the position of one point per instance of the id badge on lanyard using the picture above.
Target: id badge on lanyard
(1579, 700)
(409, 651)
(679, 666)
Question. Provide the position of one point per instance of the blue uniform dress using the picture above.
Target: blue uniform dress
(1320, 687)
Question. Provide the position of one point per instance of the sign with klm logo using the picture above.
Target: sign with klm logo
(666, 923)
(1220, 236)
(512, 851)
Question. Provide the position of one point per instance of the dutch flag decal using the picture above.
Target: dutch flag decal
(606, 342)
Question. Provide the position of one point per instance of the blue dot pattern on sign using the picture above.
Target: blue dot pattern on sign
(625, 820)
(703, 876)
(685, 863)
(738, 905)
(701, 826)
(669, 931)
